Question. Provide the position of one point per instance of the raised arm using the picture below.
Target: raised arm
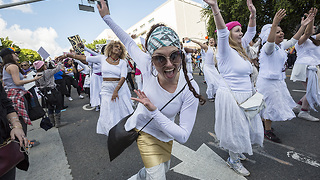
(218, 19)
(276, 20)
(142, 59)
(14, 71)
(203, 46)
(252, 18)
(309, 28)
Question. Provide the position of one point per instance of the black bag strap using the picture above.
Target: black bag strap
(165, 106)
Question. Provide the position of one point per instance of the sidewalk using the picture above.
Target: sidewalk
(47, 160)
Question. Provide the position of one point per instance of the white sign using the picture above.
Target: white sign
(43, 53)
(0, 43)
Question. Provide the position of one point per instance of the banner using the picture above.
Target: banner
(75, 40)
(43, 53)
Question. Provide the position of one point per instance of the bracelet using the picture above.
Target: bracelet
(74, 56)
(253, 17)
(216, 13)
(19, 127)
(14, 117)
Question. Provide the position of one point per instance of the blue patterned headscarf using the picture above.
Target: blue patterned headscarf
(160, 37)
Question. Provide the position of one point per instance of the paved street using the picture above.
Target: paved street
(76, 152)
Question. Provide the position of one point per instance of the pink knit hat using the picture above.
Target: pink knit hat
(232, 24)
(38, 64)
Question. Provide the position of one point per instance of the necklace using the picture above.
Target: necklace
(115, 60)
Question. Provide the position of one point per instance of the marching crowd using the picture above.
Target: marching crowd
(236, 68)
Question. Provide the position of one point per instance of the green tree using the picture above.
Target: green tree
(93, 44)
(25, 54)
(236, 10)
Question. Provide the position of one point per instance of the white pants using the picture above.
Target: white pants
(154, 173)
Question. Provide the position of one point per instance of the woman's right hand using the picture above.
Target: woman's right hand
(38, 76)
(103, 10)
(211, 2)
(279, 16)
(19, 134)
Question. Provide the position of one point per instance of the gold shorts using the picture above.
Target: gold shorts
(153, 151)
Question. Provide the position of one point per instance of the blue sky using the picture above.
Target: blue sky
(48, 23)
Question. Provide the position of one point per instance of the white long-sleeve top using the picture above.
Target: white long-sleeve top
(272, 59)
(162, 126)
(308, 53)
(109, 70)
(234, 69)
(85, 67)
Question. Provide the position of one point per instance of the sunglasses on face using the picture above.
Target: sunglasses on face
(24, 65)
(161, 60)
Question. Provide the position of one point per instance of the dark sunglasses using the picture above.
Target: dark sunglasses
(24, 65)
(161, 60)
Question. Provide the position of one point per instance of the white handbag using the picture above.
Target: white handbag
(253, 105)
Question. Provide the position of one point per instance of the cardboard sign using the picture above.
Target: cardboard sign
(43, 53)
(75, 40)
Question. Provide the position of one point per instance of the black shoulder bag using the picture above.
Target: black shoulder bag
(119, 139)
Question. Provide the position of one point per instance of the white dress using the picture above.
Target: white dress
(111, 112)
(271, 82)
(232, 128)
(211, 74)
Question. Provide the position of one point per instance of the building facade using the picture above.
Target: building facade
(183, 16)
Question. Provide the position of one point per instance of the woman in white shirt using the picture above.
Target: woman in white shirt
(235, 132)
(115, 93)
(210, 72)
(163, 78)
(271, 76)
(308, 53)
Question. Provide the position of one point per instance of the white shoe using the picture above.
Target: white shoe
(81, 97)
(238, 167)
(97, 108)
(70, 98)
(305, 115)
(242, 157)
(297, 109)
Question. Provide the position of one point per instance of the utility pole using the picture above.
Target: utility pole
(18, 3)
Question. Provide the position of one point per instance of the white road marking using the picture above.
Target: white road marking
(255, 150)
(87, 107)
(302, 158)
(298, 90)
(202, 164)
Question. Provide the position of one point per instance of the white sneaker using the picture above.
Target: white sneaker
(305, 115)
(242, 157)
(238, 167)
(81, 97)
(70, 98)
(97, 108)
(297, 109)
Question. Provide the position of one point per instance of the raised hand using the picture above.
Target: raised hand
(251, 7)
(143, 99)
(309, 18)
(211, 2)
(103, 10)
(279, 16)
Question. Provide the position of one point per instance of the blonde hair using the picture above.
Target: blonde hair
(109, 48)
(238, 47)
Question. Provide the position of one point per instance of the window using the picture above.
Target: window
(151, 20)
(143, 25)
(135, 30)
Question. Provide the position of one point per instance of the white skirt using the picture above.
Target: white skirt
(299, 72)
(232, 128)
(278, 100)
(95, 88)
(212, 78)
(111, 112)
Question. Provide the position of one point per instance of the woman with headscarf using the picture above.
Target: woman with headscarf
(235, 132)
(164, 75)
(271, 76)
(305, 70)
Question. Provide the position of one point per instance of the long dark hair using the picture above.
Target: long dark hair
(8, 59)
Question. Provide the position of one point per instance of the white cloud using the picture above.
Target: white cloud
(28, 39)
(26, 8)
